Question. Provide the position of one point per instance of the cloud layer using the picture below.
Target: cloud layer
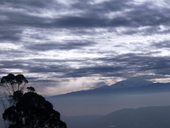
(68, 46)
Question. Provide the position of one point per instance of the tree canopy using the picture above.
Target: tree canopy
(29, 110)
(13, 83)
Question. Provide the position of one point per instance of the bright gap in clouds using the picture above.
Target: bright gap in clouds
(78, 84)
(9, 46)
(158, 3)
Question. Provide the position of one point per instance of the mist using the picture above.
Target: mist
(106, 103)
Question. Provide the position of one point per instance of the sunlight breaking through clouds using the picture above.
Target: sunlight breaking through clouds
(81, 83)
(161, 80)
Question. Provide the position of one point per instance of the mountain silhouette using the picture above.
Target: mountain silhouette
(133, 85)
(145, 117)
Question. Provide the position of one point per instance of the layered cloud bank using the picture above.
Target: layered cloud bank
(64, 46)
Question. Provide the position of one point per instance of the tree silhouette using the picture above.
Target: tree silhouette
(13, 83)
(29, 110)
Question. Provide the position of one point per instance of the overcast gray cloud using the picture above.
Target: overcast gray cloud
(68, 46)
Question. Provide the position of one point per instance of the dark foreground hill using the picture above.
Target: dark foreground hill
(147, 117)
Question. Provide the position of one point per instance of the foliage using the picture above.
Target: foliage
(29, 110)
(13, 83)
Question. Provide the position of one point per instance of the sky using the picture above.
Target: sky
(64, 46)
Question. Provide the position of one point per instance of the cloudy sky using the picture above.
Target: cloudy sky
(63, 46)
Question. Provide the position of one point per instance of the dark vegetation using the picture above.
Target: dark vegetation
(27, 109)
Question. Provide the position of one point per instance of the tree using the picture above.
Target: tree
(13, 83)
(29, 110)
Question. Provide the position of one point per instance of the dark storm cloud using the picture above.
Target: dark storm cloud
(23, 20)
(95, 70)
(139, 16)
(45, 67)
(13, 54)
(17, 13)
(35, 67)
(11, 34)
(157, 65)
(125, 65)
(11, 64)
(164, 44)
(26, 3)
(146, 16)
(67, 45)
(49, 69)
(103, 7)
(93, 16)
(81, 21)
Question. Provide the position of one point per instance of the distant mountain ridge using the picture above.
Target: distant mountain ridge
(146, 117)
(130, 85)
